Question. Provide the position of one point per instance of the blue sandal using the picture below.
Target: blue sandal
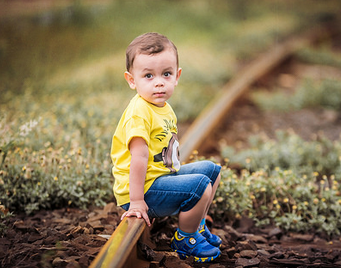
(214, 240)
(196, 246)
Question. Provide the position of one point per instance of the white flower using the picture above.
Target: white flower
(26, 128)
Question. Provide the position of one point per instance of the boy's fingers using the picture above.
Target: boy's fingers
(146, 218)
(136, 214)
(124, 215)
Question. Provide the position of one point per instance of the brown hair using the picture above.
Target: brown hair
(148, 43)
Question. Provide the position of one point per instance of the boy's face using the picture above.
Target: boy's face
(154, 76)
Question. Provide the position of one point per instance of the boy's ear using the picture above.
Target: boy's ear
(178, 73)
(130, 80)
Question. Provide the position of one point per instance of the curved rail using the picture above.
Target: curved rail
(121, 249)
(210, 117)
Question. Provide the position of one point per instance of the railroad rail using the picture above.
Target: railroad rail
(210, 117)
(121, 249)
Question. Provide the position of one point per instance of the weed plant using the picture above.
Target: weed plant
(289, 182)
(321, 55)
(4, 215)
(46, 176)
(283, 198)
(289, 151)
(325, 94)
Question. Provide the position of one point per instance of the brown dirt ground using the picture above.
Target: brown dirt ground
(72, 238)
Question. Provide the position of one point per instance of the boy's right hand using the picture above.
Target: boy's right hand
(138, 168)
(137, 209)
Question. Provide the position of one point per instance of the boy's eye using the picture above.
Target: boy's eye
(148, 75)
(167, 74)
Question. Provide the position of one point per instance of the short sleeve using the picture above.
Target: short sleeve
(137, 127)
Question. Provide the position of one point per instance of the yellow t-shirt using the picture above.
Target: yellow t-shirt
(157, 126)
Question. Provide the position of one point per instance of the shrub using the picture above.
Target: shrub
(51, 177)
(292, 202)
(289, 151)
(4, 215)
(322, 55)
(289, 182)
(325, 94)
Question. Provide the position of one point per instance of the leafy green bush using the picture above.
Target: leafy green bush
(323, 56)
(289, 151)
(4, 215)
(284, 198)
(326, 94)
(51, 177)
(292, 183)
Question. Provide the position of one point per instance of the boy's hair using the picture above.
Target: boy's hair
(148, 43)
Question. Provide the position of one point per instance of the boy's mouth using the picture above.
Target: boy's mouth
(159, 94)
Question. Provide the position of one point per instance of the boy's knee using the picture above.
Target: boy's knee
(207, 164)
(208, 192)
(218, 178)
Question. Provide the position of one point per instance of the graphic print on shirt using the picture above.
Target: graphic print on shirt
(170, 154)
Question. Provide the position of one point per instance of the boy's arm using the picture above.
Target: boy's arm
(138, 169)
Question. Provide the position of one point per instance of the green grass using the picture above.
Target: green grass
(320, 55)
(324, 94)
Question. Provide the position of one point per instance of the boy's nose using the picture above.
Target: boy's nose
(159, 82)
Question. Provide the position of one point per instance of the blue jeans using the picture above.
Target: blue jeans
(179, 191)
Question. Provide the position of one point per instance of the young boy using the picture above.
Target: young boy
(149, 181)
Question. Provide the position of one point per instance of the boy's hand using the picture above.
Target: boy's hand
(138, 209)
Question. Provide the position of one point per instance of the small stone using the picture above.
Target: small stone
(235, 235)
(236, 255)
(275, 232)
(246, 245)
(303, 237)
(216, 265)
(263, 252)
(173, 262)
(110, 207)
(84, 261)
(231, 252)
(256, 238)
(247, 262)
(277, 255)
(249, 254)
(154, 264)
(57, 262)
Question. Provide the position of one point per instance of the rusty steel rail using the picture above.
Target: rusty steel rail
(121, 249)
(210, 117)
